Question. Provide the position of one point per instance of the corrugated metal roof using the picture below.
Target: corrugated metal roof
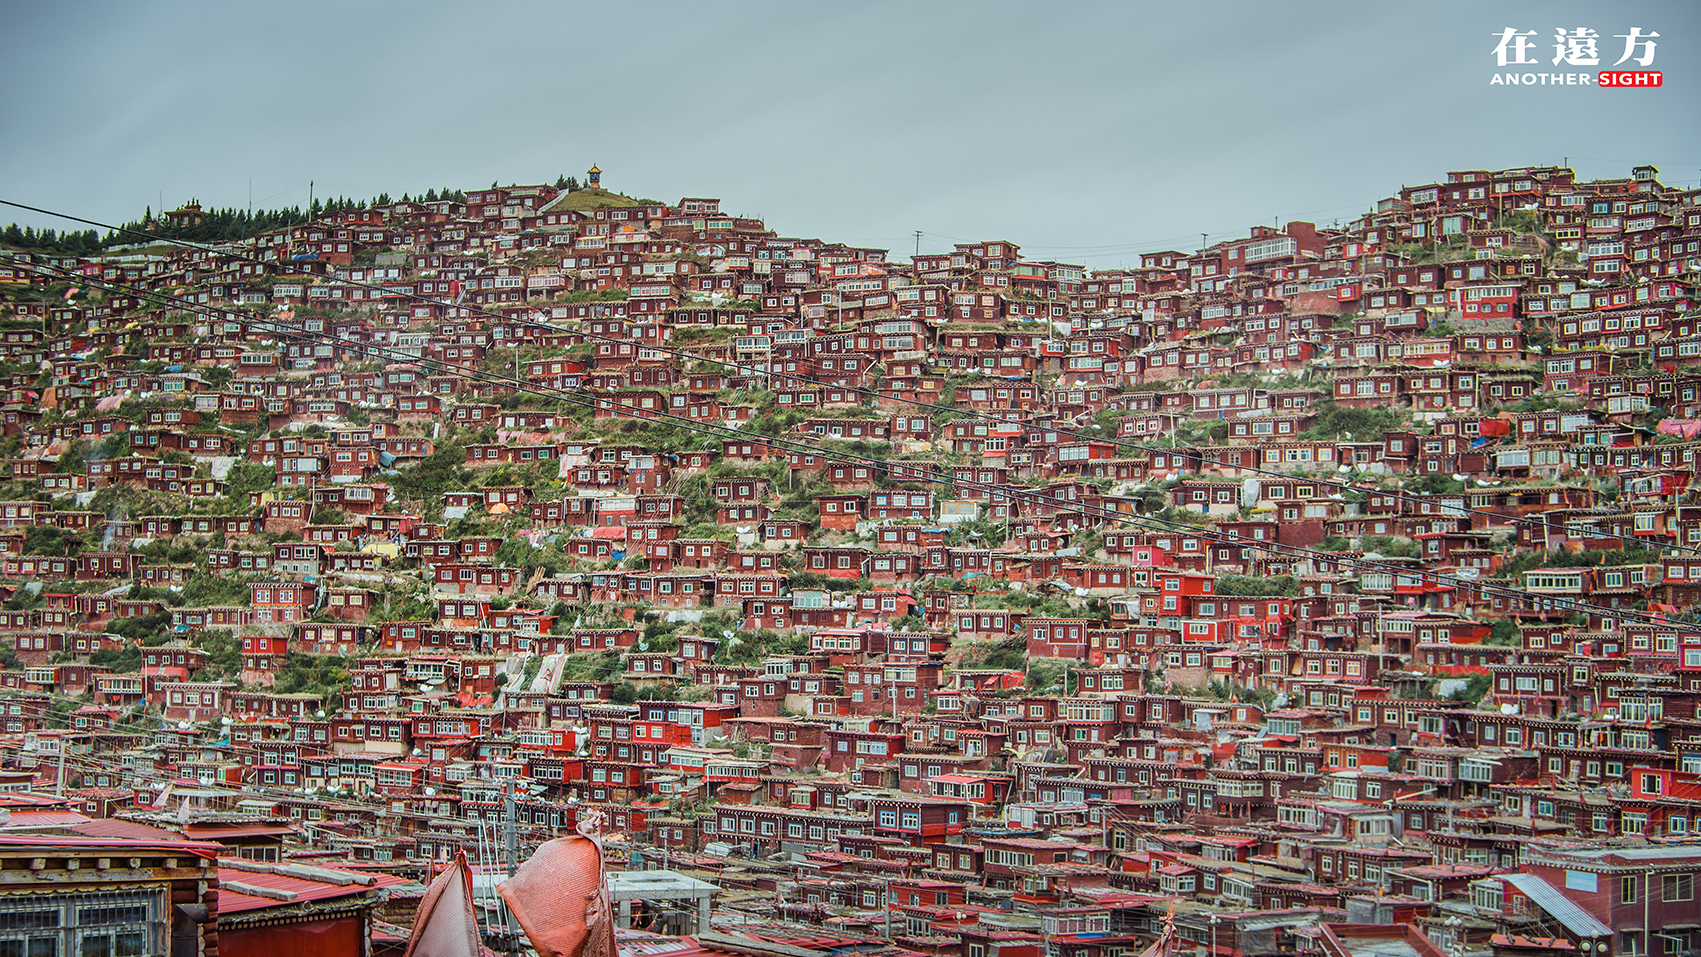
(206, 849)
(43, 817)
(126, 830)
(1576, 920)
(303, 889)
(14, 800)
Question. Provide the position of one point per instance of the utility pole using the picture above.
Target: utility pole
(509, 835)
(511, 853)
(918, 243)
(59, 782)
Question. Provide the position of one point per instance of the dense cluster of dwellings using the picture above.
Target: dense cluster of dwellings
(1318, 578)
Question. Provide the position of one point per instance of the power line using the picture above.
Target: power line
(937, 477)
(1117, 441)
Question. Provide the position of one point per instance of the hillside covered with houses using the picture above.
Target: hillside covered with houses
(960, 604)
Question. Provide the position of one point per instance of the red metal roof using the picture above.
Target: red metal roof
(205, 849)
(15, 800)
(304, 889)
(125, 830)
(43, 817)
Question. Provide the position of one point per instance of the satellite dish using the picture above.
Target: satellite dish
(1344, 469)
(319, 714)
(728, 633)
(430, 792)
(1460, 477)
(1508, 708)
(225, 721)
(183, 725)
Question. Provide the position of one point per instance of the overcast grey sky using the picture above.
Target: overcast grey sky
(1085, 132)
